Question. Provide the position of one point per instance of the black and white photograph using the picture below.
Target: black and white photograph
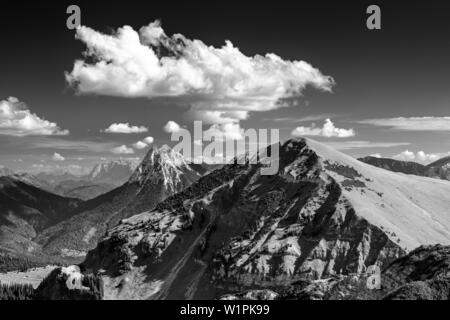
(225, 151)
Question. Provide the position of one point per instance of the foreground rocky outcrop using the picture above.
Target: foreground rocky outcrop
(423, 274)
(68, 283)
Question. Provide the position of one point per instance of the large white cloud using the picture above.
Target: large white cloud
(148, 63)
(327, 130)
(412, 123)
(125, 128)
(17, 120)
(420, 156)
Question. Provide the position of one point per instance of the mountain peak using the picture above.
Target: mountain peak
(164, 155)
(161, 164)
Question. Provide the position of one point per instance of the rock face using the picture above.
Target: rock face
(440, 169)
(162, 173)
(68, 283)
(423, 274)
(323, 215)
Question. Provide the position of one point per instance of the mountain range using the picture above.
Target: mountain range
(322, 215)
(177, 230)
(102, 178)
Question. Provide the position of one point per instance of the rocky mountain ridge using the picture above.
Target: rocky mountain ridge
(324, 214)
(439, 169)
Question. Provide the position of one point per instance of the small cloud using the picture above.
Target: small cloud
(149, 140)
(17, 120)
(57, 157)
(171, 127)
(125, 128)
(144, 143)
(123, 149)
(140, 145)
(328, 130)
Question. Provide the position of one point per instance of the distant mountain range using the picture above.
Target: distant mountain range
(103, 178)
(324, 214)
(439, 169)
(161, 174)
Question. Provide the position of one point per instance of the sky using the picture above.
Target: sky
(137, 71)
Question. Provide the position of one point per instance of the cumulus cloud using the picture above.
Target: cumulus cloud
(148, 63)
(125, 128)
(171, 127)
(412, 123)
(57, 157)
(420, 156)
(123, 149)
(140, 145)
(143, 143)
(327, 130)
(149, 140)
(17, 120)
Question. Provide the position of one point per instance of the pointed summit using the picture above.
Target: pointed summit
(162, 165)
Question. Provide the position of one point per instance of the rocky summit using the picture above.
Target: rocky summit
(323, 215)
